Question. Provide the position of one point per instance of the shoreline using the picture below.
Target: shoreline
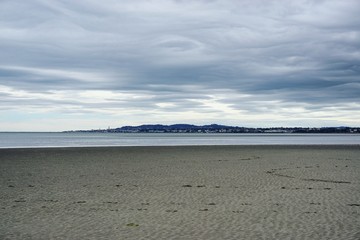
(186, 146)
(50, 140)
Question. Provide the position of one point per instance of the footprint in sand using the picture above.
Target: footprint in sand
(203, 210)
(246, 204)
(132, 225)
(354, 204)
(171, 211)
(237, 211)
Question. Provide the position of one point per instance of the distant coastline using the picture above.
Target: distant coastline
(216, 128)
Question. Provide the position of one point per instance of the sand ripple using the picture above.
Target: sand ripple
(181, 193)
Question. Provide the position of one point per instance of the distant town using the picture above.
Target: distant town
(215, 128)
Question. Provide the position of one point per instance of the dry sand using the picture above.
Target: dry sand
(200, 192)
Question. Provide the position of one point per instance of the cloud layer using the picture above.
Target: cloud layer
(248, 63)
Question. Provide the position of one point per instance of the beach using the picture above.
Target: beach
(181, 192)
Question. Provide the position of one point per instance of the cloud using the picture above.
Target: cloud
(229, 61)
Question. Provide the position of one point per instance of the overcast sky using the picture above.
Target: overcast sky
(68, 64)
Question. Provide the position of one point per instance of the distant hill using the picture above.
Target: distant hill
(174, 127)
(216, 128)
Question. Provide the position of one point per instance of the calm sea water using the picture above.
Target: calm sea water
(27, 140)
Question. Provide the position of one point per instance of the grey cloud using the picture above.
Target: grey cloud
(304, 53)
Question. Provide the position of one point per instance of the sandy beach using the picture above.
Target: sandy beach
(188, 192)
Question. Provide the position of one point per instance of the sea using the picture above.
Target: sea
(87, 139)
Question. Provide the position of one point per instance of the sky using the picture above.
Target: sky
(67, 65)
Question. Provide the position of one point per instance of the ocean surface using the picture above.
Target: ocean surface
(37, 140)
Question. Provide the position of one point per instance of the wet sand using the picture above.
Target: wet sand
(194, 192)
